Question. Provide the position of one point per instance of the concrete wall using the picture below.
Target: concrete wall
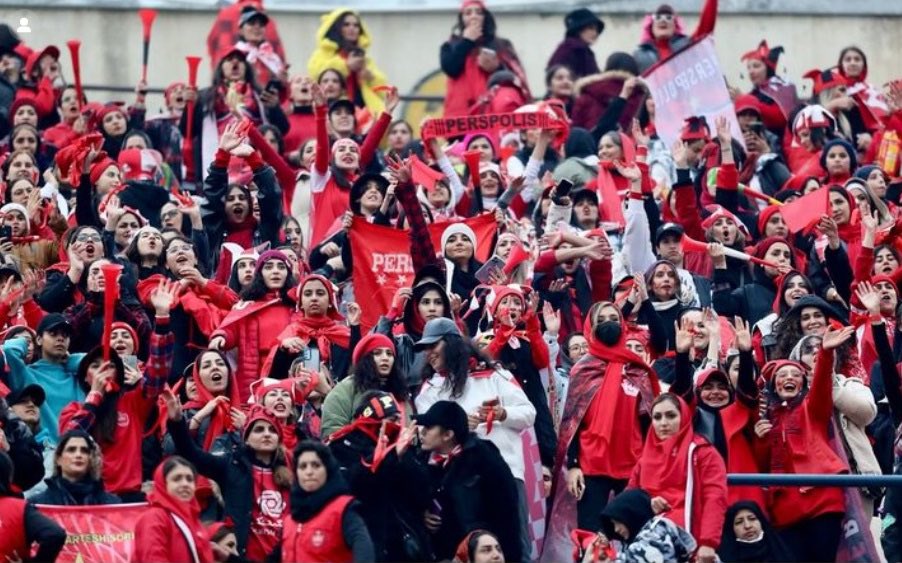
(406, 45)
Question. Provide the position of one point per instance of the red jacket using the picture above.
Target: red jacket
(708, 504)
(253, 327)
(303, 127)
(320, 538)
(12, 540)
(799, 443)
(158, 538)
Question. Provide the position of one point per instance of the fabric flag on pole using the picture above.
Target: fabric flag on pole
(382, 262)
(687, 84)
(807, 210)
(96, 533)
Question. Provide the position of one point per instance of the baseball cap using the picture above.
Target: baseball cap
(435, 330)
(52, 321)
(447, 414)
(251, 12)
(668, 229)
(342, 103)
(32, 391)
(583, 193)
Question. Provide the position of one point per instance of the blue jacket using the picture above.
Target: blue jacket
(58, 381)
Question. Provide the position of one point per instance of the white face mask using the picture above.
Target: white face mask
(756, 540)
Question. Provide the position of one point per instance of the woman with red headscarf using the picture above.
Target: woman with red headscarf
(316, 332)
(620, 166)
(607, 411)
(794, 437)
(684, 474)
(775, 96)
(255, 322)
(170, 529)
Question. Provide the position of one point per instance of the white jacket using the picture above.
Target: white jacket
(501, 385)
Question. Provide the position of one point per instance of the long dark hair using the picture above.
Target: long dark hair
(489, 27)
(367, 378)
(107, 414)
(334, 33)
(257, 289)
(473, 542)
(458, 355)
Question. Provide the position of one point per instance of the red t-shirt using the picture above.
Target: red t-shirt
(270, 504)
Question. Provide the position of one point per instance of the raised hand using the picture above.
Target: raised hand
(742, 336)
(354, 314)
(172, 404)
(551, 318)
(683, 329)
(869, 297)
(835, 338)
(319, 99)
(164, 297)
(722, 126)
(230, 137)
(680, 154)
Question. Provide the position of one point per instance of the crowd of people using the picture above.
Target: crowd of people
(180, 324)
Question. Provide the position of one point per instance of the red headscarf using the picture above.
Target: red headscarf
(610, 206)
(326, 329)
(187, 512)
(221, 419)
(664, 465)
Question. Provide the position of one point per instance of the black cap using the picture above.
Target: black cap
(343, 103)
(435, 330)
(447, 414)
(10, 269)
(581, 18)
(250, 12)
(668, 229)
(361, 185)
(665, 9)
(54, 321)
(33, 391)
(583, 193)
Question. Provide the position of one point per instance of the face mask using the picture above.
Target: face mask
(608, 332)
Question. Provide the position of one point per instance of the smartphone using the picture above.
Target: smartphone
(563, 188)
(274, 86)
(757, 128)
(130, 361)
(436, 508)
(6, 232)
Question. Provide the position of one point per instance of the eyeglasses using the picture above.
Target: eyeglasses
(169, 214)
(88, 238)
(578, 348)
(175, 249)
(663, 17)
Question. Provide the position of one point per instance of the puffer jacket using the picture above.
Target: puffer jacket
(855, 407)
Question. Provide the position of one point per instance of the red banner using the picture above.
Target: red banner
(96, 533)
(457, 126)
(688, 84)
(382, 262)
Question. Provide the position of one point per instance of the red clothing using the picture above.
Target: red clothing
(253, 327)
(799, 443)
(685, 464)
(320, 538)
(207, 305)
(464, 91)
(266, 515)
(12, 540)
(168, 528)
(303, 127)
(60, 135)
(737, 418)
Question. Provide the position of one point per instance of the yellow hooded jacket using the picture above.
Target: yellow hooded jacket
(327, 55)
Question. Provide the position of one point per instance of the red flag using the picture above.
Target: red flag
(382, 262)
(423, 175)
(96, 535)
(807, 210)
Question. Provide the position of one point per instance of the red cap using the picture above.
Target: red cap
(717, 212)
(765, 54)
(98, 167)
(369, 343)
(695, 128)
(258, 413)
(128, 328)
(747, 102)
(36, 56)
(824, 79)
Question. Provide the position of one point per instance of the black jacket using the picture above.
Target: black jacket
(391, 500)
(475, 490)
(26, 454)
(59, 492)
(233, 471)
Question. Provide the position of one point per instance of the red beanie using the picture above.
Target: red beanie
(369, 343)
(257, 413)
(98, 168)
(765, 216)
(127, 327)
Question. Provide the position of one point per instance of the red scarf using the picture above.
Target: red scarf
(188, 512)
(664, 465)
(195, 304)
(325, 331)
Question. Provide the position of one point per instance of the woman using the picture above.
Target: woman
(811, 315)
(400, 135)
(374, 368)
(145, 252)
(775, 95)
(607, 410)
(752, 301)
(66, 281)
(321, 504)
(618, 170)
(77, 467)
(794, 438)
(748, 536)
(255, 322)
(202, 303)
(412, 308)
(288, 401)
(20, 164)
(791, 287)
(384, 481)
(342, 41)
(253, 477)
(575, 51)
(24, 526)
(480, 546)
(34, 252)
(121, 225)
(839, 160)
(684, 474)
(853, 66)
(669, 298)
(170, 529)
(471, 55)
(299, 110)
(316, 332)
(458, 244)
(242, 273)
(497, 408)
(333, 84)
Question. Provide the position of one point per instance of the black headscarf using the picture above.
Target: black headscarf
(306, 505)
(6, 475)
(632, 508)
(769, 548)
